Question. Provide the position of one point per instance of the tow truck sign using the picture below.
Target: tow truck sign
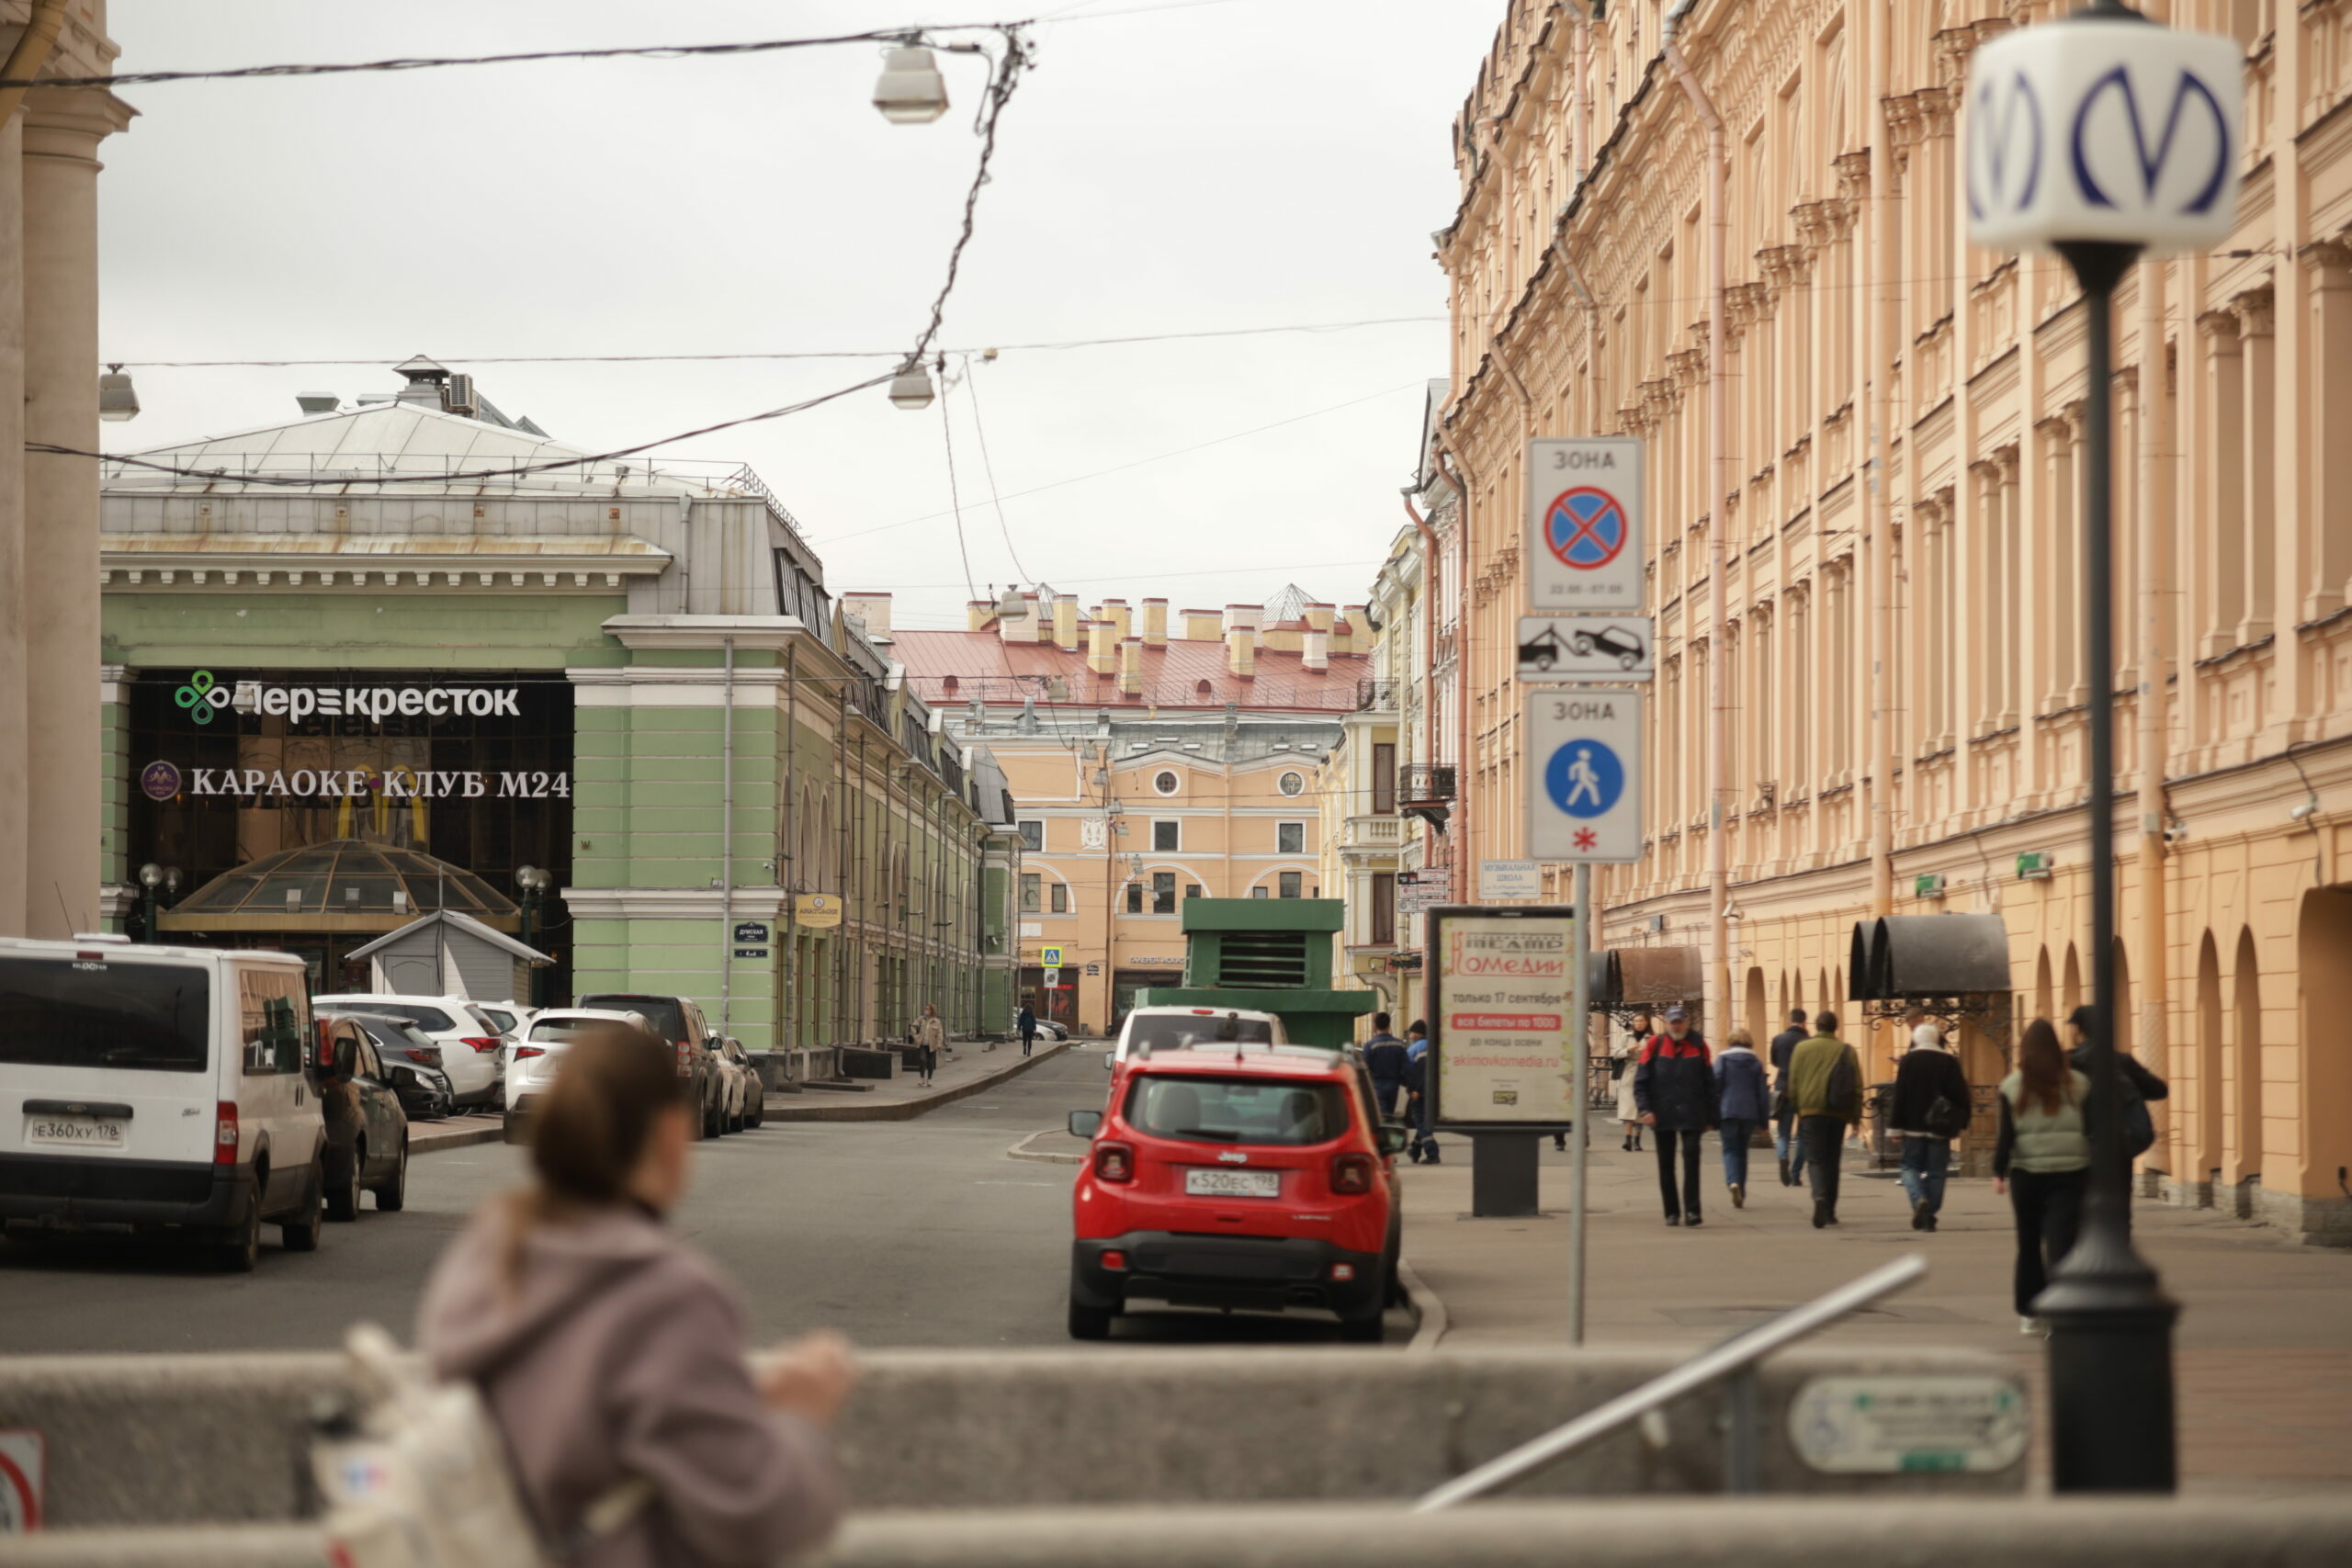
(1586, 648)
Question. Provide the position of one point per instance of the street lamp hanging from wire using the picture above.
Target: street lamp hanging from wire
(910, 91)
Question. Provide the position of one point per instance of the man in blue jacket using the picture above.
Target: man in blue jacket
(1416, 1092)
(1384, 1058)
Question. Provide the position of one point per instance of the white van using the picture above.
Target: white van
(159, 1087)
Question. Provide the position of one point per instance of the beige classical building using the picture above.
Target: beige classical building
(52, 807)
(1153, 756)
(1732, 228)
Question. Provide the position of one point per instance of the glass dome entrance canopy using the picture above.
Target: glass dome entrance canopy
(344, 884)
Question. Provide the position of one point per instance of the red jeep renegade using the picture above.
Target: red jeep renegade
(1232, 1175)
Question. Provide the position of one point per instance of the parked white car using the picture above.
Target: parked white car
(160, 1087)
(1166, 1028)
(547, 1038)
(473, 1047)
(754, 1109)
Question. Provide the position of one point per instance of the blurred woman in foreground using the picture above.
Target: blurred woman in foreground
(610, 1353)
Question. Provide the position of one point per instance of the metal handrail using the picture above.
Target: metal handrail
(1734, 1357)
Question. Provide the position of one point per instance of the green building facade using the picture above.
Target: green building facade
(419, 624)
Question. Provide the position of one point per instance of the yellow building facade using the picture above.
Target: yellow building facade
(1733, 228)
(1153, 755)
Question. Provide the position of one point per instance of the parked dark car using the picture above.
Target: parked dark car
(678, 1020)
(367, 1130)
(412, 1063)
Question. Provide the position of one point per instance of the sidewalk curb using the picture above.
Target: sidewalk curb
(433, 1139)
(1051, 1156)
(1426, 1305)
(908, 1110)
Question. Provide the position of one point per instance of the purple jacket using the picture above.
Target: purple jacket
(620, 1355)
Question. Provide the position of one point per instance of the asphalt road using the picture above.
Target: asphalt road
(903, 1233)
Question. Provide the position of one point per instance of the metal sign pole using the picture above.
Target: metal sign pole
(1580, 1134)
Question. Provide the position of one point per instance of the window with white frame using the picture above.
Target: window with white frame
(1033, 836)
(1166, 836)
(1290, 837)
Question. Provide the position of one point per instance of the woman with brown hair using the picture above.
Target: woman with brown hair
(611, 1355)
(2042, 1160)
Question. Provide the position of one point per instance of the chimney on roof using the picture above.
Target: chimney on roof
(873, 607)
(1241, 651)
(1026, 626)
(977, 614)
(1099, 656)
(1131, 667)
(1155, 623)
(1115, 610)
(427, 383)
(1315, 649)
(1358, 636)
(1066, 622)
(1321, 616)
(1249, 616)
(1203, 626)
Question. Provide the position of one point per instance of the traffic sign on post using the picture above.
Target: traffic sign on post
(1584, 524)
(1584, 776)
(1586, 648)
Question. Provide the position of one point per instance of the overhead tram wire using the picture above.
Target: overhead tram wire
(956, 499)
(1004, 76)
(988, 467)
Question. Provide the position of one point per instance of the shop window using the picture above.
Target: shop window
(1032, 836)
(1135, 897)
(1166, 837)
(1163, 892)
(1061, 897)
(1290, 837)
(1032, 888)
(1293, 882)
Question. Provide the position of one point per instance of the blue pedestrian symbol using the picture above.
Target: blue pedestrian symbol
(1584, 778)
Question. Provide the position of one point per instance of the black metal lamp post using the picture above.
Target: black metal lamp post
(534, 885)
(2103, 136)
(154, 878)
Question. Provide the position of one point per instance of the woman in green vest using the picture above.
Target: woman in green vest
(2043, 1161)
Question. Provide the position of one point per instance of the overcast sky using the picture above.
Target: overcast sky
(1192, 168)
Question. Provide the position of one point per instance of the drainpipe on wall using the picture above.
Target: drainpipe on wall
(1718, 1012)
(1457, 474)
(1580, 101)
(1429, 649)
(727, 842)
(31, 53)
(2149, 965)
(1881, 331)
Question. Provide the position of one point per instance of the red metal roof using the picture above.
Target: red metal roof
(1003, 674)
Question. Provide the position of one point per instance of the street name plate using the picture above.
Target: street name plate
(1885, 1425)
(1584, 524)
(1586, 648)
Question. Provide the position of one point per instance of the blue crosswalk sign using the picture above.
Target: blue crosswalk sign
(1584, 778)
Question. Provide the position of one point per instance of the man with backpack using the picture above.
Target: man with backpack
(1825, 1088)
(1931, 1108)
(2138, 1085)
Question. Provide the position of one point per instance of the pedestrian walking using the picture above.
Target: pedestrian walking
(2139, 1086)
(2042, 1160)
(608, 1352)
(1423, 1147)
(1743, 1103)
(931, 1039)
(1674, 1085)
(1825, 1088)
(1785, 1143)
(1931, 1108)
(1026, 1024)
(1622, 1062)
(1384, 1058)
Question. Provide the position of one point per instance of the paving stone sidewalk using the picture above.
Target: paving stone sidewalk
(969, 1068)
(2264, 1344)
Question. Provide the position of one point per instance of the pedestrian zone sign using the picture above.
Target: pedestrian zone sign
(1584, 545)
(1051, 957)
(1584, 776)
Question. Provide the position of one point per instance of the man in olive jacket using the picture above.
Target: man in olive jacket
(1826, 1086)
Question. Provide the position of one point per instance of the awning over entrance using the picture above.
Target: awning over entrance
(1922, 958)
(343, 885)
(1655, 977)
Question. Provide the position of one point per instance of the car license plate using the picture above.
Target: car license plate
(1213, 1183)
(74, 1131)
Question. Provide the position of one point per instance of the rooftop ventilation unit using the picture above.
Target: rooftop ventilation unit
(317, 402)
